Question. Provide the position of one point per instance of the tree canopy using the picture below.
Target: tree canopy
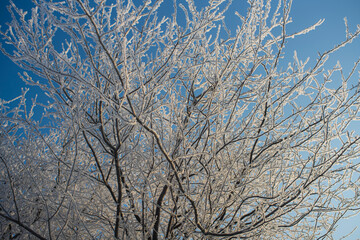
(173, 127)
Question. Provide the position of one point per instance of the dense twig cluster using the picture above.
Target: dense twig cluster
(173, 128)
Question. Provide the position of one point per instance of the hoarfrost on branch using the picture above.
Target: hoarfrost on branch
(174, 127)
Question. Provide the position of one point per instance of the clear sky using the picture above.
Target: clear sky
(304, 14)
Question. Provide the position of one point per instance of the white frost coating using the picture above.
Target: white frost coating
(162, 130)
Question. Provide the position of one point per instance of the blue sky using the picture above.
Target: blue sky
(304, 14)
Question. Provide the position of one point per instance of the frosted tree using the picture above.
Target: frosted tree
(173, 127)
